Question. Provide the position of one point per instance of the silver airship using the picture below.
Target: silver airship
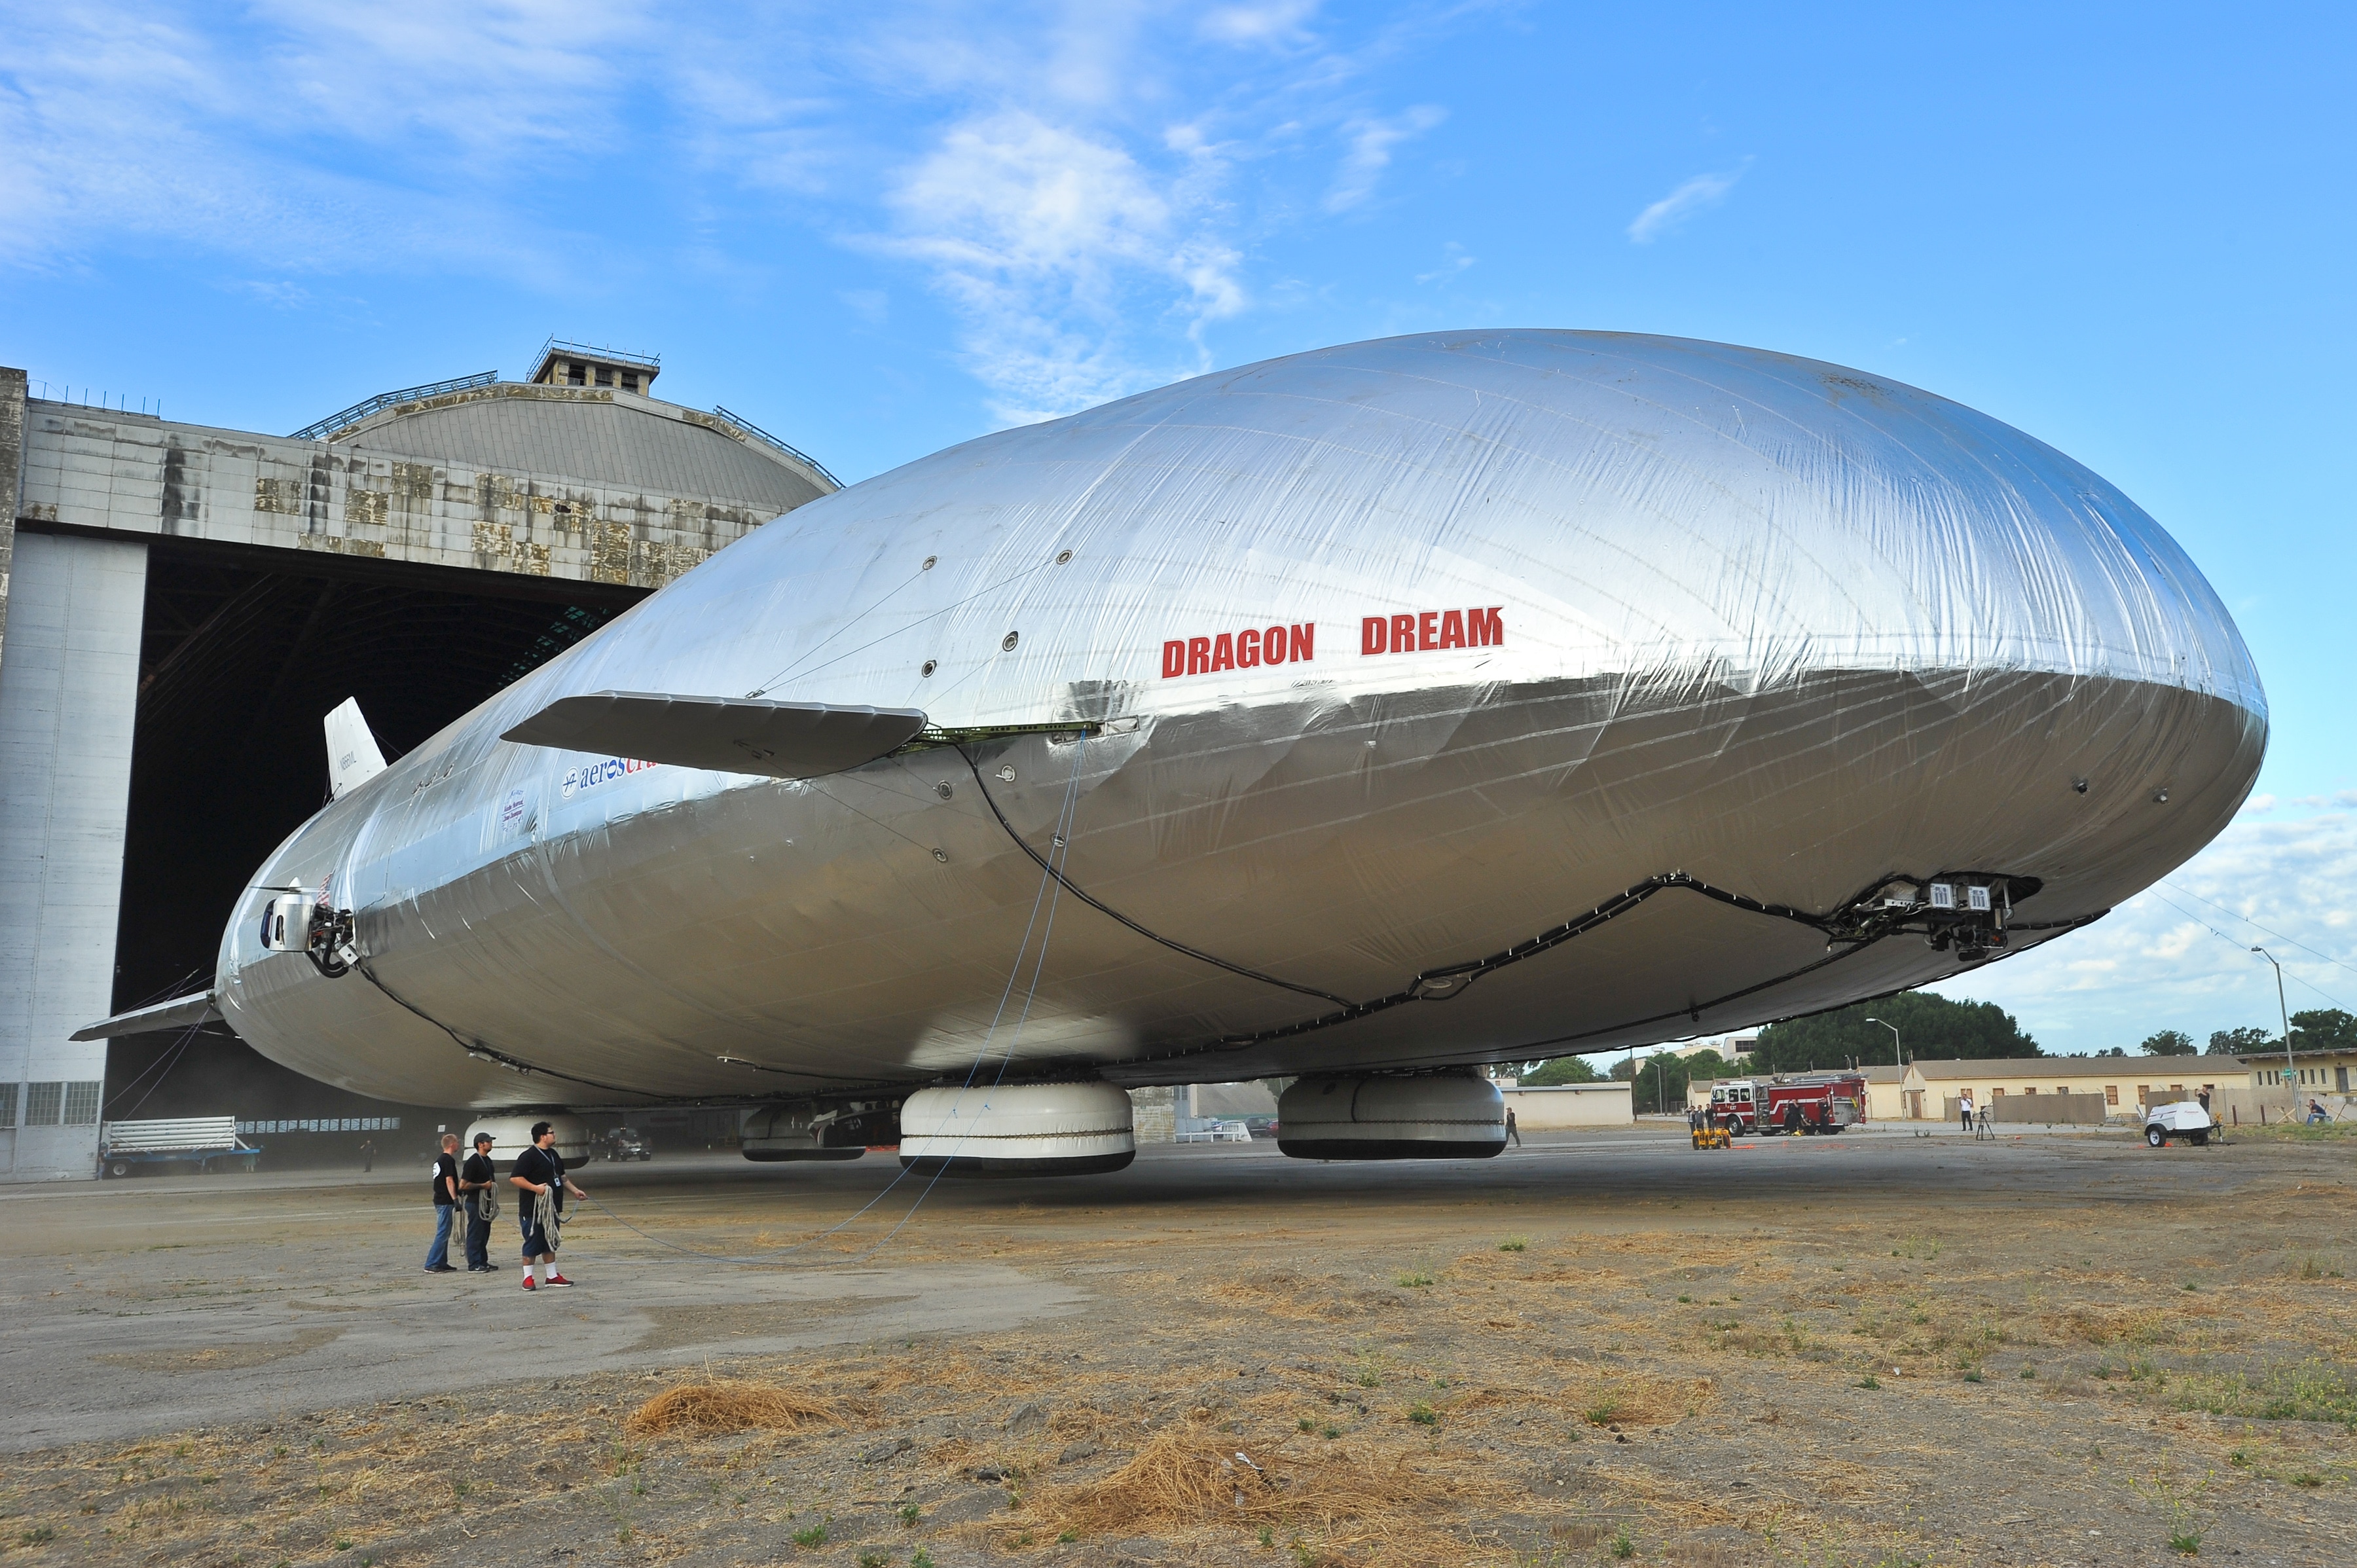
(1365, 715)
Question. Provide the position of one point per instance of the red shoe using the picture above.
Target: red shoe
(531, 1284)
(558, 1279)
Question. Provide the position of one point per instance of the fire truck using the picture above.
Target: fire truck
(1789, 1103)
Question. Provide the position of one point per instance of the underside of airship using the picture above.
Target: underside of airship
(1363, 716)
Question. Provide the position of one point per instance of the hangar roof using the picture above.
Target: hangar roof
(594, 435)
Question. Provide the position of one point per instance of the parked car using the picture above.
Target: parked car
(622, 1144)
(1261, 1126)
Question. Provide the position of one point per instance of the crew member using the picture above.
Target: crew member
(1965, 1109)
(446, 1205)
(478, 1189)
(540, 1172)
(1512, 1132)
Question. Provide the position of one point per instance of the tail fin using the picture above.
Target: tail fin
(353, 758)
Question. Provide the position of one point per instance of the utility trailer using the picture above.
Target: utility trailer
(206, 1143)
(1789, 1103)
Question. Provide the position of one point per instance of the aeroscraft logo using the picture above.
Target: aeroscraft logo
(577, 779)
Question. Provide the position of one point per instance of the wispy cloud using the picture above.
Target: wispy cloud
(1700, 194)
(1042, 236)
(1453, 260)
(1083, 184)
(2178, 955)
(1272, 22)
(1371, 139)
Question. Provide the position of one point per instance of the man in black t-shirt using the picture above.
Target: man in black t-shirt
(446, 1205)
(540, 1173)
(478, 1184)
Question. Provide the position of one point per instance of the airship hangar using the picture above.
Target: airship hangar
(180, 604)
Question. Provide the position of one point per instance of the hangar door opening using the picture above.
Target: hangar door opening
(241, 656)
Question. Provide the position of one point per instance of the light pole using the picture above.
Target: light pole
(1895, 1049)
(2283, 1010)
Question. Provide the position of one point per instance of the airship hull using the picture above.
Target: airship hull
(1568, 651)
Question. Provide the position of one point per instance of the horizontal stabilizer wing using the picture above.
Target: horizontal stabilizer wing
(728, 735)
(180, 1013)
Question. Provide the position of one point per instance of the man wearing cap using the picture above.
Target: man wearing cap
(540, 1172)
(479, 1190)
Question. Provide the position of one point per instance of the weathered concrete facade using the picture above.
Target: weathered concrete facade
(594, 485)
(377, 492)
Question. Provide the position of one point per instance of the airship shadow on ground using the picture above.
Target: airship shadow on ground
(1389, 709)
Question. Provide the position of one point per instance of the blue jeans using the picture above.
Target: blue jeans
(437, 1256)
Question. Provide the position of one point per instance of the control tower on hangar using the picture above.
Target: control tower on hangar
(181, 605)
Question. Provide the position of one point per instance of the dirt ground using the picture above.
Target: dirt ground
(1880, 1349)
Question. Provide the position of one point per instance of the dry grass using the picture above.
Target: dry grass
(732, 1406)
(1189, 1477)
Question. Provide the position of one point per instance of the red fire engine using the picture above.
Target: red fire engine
(1789, 1102)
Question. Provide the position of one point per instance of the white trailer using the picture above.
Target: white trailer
(207, 1142)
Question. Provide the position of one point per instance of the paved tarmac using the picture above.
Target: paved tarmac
(155, 1304)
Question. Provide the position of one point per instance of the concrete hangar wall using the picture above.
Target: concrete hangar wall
(181, 605)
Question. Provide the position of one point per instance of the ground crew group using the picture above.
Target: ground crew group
(540, 1184)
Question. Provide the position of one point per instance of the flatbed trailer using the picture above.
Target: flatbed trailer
(206, 1143)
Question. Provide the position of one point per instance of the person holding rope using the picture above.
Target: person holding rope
(539, 1173)
(478, 1187)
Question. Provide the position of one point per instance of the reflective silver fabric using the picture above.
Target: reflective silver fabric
(1403, 653)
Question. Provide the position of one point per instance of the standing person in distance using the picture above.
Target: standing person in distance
(446, 1205)
(477, 1178)
(1965, 1109)
(540, 1171)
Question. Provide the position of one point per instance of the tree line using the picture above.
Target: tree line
(1930, 1028)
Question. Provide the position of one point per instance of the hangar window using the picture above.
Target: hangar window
(605, 376)
(1996, 1094)
(2176, 1088)
(576, 374)
(630, 381)
(82, 1104)
(2111, 1094)
(42, 1103)
(8, 1105)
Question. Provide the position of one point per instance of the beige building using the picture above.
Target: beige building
(1886, 1093)
(1565, 1105)
(1933, 1088)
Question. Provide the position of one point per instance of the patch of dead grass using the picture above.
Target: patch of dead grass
(737, 1406)
(1189, 1477)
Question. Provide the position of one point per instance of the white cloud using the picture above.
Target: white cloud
(1069, 178)
(1272, 22)
(1697, 195)
(2178, 955)
(1041, 236)
(1453, 260)
(1372, 141)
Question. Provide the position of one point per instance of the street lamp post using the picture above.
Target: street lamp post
(1895, 1050)
(2283, 1010)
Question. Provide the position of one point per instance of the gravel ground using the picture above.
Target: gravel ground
(1878, 1349)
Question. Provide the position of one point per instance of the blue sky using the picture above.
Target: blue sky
(877, 230)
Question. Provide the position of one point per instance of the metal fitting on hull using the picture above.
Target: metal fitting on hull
(818, 1130)
(1017, 1130)
(1424, 1116)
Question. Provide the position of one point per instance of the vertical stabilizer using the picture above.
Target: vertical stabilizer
(353, 758)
